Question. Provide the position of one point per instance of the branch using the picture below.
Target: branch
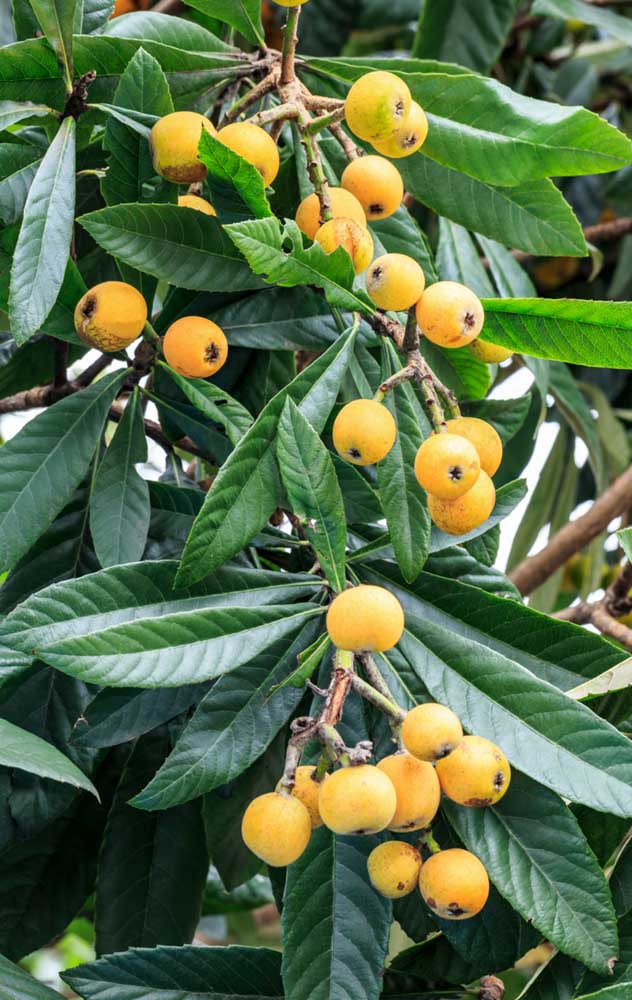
(288, 53)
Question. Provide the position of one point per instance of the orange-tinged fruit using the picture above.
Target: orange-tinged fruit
(408, 137)
(450, 314)
(485, 439)
(110, 316)
(306, 790)
(365, 619)
(476, 773)
(376, 105)
(457, 517)
(194, 201)
(454, 884)
(254, 144)
(357, 800)
(128, 7)
(376, 183)
(354, 238)
(276, 828)
(447, 465)
(343, 206)
(174, 142)
(490, 354)
(195, 347)
(395, 282)
(394, 868)
(431, 731)
(364, 432)
(417, 788)
(290, 3)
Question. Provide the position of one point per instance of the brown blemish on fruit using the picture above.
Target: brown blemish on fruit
(444, 751)
(399, 109)
(376, 209)
(478, 802)
(432, 903)
(456, 910)
(89, 307)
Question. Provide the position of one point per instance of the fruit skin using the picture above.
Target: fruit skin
(376, 104)
(450, 314)
(290, 3)
(447, 466)
(431, 731)
(394, 868)
(343, 206)
(174, 142)
(306, 791)
(195, 347)
(395, 282)
(357, 800)
(454, 884)
(477, 773)
(377, 185)
(365, 619)
(485, 439)
(490, 354)
(418, 791)
(408, 137)
(128, 7)
(355, 239)
(255, 145)
(364, 432)
(457, 517)
(194, 201)
(276, 828)
(110, 316)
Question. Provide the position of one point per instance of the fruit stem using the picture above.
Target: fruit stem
(374, 675)
(150, 335)
(269, 83)
(370, 694)
(428, 841)
(325, 121)
(288, 52)
(282, 112)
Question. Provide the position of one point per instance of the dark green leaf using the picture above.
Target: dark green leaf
(458, 259)
(453, 30)
(18, 166)
(57, 20)
(243, 15)
(215, 404)
(118, 715)
(278, 319)
(237, 188)
(20, 985)
(23, 750)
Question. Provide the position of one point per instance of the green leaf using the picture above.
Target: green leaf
(578, 415)
(308, 662)
(509, 276)
(326, 891)
(599, 17)
(537, 856)
(625, 538)
(457, 367)
(154, 26)
(12, 112)
(18, 166)
(278, 319)
(187, 249)
(177, 973)
(615, 984)
(453, 31)
(41, 467)
(118, 715)
(308, 475)
(21, 985)
(56, 18)
(505, 415)
(215, 404)
(243, 15)
(458, 259)
(43, 245)
(237, 188)
(617, 678)
(94, 14)
(247, 488)
(23, 750)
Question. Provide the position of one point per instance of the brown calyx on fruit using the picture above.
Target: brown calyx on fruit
(492, 988)
(212, 352)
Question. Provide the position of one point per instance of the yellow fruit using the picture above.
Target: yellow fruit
(457, 517)
(476, 773)
(276, 828)
(128, 6)
(454, 884)
(346, 233)
(364, 432)
(490, 354)
(195, 347)
(377, 185)
(418, 791)
(357, 800)
(450, 314)
(306, 790)
(431, 731)
(376, 105)
(395, 282)
(290, 3)
(365, 619)
(199, 204)
(343, 206)
(255, 145)
(174, 142)
(110, 316)
(447, 466)
(485, 439)
(394, 868)
(408, 137)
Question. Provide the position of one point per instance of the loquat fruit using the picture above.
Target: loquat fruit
(346, 233)
(485, 439)
(364, 432)
(174, 142)
(431, 731)
(110, 316)
(365, 619)
(195, 347)
(417, 788)
(450, 314)
(395, 282)
(457, 517)
(376, 104)
(344, 205)
(447, 465)
(476, 773)
(290, 3)
(376, 183)
(255, 145)
(394, 868)
(306, 790)
(276, 828)
(356, 800)
(128, 7)
(489, 354)
(454, 884)
(194, 201)
(408, 137)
